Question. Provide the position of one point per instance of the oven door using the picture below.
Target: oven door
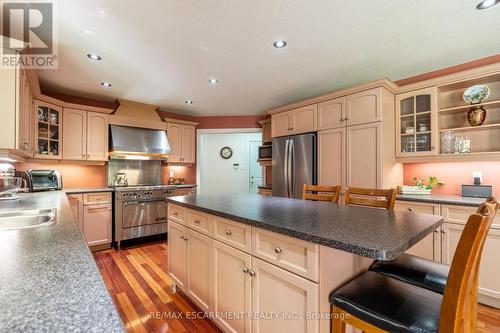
(135, 214)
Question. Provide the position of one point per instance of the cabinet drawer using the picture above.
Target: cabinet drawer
(97, 198)
(200, 222)
(232, 233)
(460, 214)
(176, 213)
(417, 207)
(297, 256)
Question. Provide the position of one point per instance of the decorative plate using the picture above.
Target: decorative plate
(476, 94)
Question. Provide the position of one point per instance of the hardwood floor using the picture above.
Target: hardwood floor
(136, 278)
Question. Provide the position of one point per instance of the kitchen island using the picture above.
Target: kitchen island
(269, 256)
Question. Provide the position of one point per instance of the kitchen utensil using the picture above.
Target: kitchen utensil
(120, 179)
(476, 94)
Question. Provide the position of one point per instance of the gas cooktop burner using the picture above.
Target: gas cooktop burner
(143, 187)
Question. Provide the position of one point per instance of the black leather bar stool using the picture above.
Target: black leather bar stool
(418, 271)
(377, 303)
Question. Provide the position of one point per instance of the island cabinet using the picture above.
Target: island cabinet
(297, 121)
(441, 245)
(243, 272)
(356, 147)
(182, 138)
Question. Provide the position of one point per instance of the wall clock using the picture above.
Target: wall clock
(226, 153)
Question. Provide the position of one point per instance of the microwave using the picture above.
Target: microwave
(265, 152)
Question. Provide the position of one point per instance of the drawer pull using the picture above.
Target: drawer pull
(278, 250)
(228, 232)
(197, 221)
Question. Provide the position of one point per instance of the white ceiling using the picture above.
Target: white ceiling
(164, 51)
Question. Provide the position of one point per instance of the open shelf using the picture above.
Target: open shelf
(465, 108)
(469, 128)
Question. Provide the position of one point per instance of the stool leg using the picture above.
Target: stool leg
(338, 325)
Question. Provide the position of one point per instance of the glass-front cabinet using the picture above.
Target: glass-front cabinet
(416, 122)
(48, 130)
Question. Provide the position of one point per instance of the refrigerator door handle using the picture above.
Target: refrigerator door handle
(285, 168)
(291, 170)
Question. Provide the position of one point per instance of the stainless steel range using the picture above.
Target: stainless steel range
(140, 211)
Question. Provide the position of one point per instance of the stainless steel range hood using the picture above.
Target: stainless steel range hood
(136, 143)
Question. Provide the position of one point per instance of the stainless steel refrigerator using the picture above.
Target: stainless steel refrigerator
(294, 164)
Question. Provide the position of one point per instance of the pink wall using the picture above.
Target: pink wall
(454, 174)
(73, 175)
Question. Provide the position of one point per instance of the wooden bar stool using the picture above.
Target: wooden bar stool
(370, 197)
(377, 303)
(418, 271)
(321, 193)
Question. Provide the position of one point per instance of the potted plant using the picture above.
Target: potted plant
(420, 186)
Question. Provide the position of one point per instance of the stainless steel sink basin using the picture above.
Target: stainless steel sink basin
(27, 219)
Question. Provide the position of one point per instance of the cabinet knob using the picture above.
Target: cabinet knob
(185, 238)
(252, 273)
(443, 232)
(246, 270)
(197, 221)
(410, 209)
(432, 147)
(228, 232)
(278, 250)
(341, 119)
(175, 213)
(182, 237)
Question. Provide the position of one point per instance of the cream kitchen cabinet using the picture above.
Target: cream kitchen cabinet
(48, 130)
(297, 121)
(76, 204)
(182, 138)
(199, 268)
(364, 107)
(429, 247)
(278, 291)
(331, 157)
(177, 254)
(97, 224)
(85, 135)
(26, 105)
(332, 114)
(232, 291)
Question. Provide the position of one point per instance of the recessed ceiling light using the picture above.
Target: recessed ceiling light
(188, 101)
(279, 44)
(213, 81)
(94, 56)
(487, 4)
(106, 84)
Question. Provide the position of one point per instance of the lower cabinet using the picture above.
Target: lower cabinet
(177, 254)
(232, 291)
(97, 224)
(199, 268)
(76, 204)
(288, 296)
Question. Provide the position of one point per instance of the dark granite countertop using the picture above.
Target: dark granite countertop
(80, 190)
(442, 199)
(368, 232)
(265, 186)
(49, 281)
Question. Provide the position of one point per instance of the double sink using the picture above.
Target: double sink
(24, 219)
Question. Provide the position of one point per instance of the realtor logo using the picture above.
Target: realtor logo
(28, 29)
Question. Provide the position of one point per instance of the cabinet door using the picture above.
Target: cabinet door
(281, 124)
(275, 290)
(174, 133)
(76, 204)
(232, 287)
(48, 131)
(364, 156)
(331, 114)
(364, 107)
(429, 247)
(489, 284)
(416, 121)
(75, 135)
(177, 254)
(25, 113)
(331, 157)
(97, 224)
(188, 144)
(199, 282)
(266, 133)
(305, 119)
(97, 136)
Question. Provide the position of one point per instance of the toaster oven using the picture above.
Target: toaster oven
(41, 180)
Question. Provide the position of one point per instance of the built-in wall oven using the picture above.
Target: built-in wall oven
(140, 211)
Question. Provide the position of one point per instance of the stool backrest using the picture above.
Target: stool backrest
(370, 197)
(321, 193)
(459, 306)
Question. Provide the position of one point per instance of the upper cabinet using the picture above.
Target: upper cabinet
(364, 107)
(266, 130)
(332, 114)
(85, 135)
(297, 121)
(26, 105)
(182, 139)
(48, 130)
(416, 123)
